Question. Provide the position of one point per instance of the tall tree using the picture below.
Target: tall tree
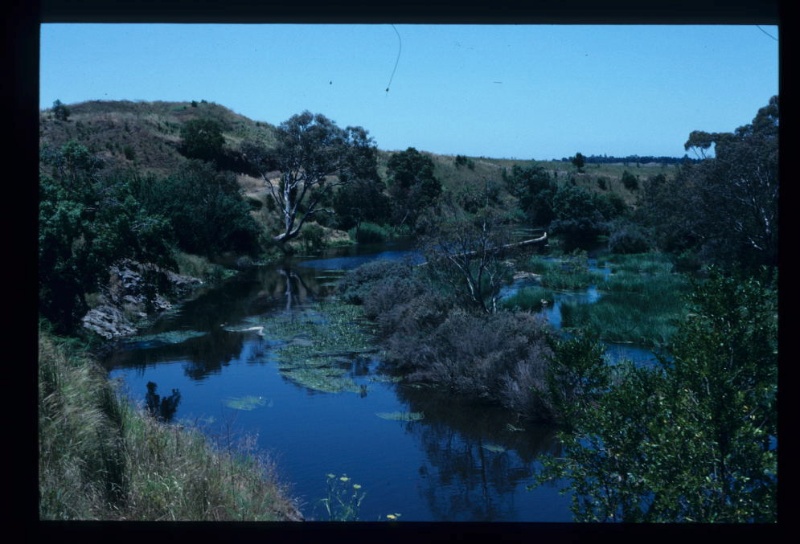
(535, 189)
(739, 189)
(579, 161)
(412, 185)
(361, 197)
(314, 156)
(724, 207)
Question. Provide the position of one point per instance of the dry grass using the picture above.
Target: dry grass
(102, 458)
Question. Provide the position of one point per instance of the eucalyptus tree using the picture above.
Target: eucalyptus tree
(313, 156)
(739, 188)
(724, 207)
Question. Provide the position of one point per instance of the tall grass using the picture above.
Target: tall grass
(531, 299)
(369, 233)
(102, 458)
(642, 303)
(569, 273)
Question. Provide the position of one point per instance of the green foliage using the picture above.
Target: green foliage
(535, 190)
(60, 111)
(314, 157)
(461, 161)
(642, 303)
(577, 377)
(313, 238)
(724, 208)
(579, 161)
(628, 237)
(87, 221)
(412, 185)
(694, 440)
(202, 139)
(630, 181)
(578, 217)
(205, 209)
(569, 273)
(369, 233)
(532, 299)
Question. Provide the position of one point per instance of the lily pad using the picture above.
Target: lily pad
(248, 403)
(401, 416)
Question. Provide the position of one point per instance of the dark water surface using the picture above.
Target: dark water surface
(448, 461)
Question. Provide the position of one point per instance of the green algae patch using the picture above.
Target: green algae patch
(315, 347)
(401, 416)
(164, 338)
(246, 403)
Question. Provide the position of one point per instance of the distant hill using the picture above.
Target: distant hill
(145, 136)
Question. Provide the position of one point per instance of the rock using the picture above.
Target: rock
(109, 322)
(135, 289)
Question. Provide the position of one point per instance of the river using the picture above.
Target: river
(417, 455)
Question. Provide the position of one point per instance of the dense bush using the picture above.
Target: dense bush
(630, 181)
(500, 358)
(695, 439)
(356, 284)
(202, 139)
(369, 233)
(205, 208)
(628, 238)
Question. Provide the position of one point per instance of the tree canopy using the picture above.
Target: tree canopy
(726, 206)
(412, 185)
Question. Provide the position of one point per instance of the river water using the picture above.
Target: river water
(450, 462)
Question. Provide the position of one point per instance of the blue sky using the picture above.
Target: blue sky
(502, 91)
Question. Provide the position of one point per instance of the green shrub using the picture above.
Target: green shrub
(531, 299)
(369, 233)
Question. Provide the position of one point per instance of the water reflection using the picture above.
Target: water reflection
(477, 457)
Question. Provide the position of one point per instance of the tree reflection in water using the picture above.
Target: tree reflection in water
(477, 456)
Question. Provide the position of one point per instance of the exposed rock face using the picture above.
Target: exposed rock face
(109, 322)
(135, 289)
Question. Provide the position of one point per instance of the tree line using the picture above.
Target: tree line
(721, 210)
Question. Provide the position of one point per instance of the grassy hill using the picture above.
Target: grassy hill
(146, 136)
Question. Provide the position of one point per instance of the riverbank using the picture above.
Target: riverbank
(102, 458)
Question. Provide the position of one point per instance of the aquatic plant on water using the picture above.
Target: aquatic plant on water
(343, 499)
(401, 416)
(246, 403)
(314, 346)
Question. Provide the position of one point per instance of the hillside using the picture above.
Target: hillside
(145, 136)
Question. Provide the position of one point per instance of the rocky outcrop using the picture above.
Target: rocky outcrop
(133, 292)
(108, 322)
